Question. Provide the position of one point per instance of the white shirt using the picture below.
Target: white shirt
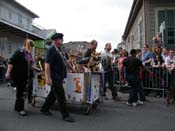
(105, 54)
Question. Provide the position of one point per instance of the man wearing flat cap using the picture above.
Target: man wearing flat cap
(55, 70)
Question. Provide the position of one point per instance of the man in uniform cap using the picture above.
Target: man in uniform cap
(55, 70)
(57, 36)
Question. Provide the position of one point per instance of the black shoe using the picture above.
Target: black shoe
(47, 113)
(23, 113)
(16, 110)
(116, 98)
(68, 119)
(103, 94)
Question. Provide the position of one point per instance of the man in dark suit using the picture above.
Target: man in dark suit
(55, 70)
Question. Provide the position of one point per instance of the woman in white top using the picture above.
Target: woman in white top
(170, 61)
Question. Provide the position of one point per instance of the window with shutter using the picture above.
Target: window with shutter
(168, 16)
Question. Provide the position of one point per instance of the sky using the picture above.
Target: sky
(83, 20)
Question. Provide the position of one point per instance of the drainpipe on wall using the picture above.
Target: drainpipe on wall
(144, 19)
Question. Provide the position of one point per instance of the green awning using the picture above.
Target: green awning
(50, 35)
(39, 44)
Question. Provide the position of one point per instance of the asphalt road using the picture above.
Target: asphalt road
(109, 116)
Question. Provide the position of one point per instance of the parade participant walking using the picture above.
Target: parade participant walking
(107, 58)
(55, 71)
(18, 70)
(133, 65)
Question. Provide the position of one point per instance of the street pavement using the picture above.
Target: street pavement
(109, 116)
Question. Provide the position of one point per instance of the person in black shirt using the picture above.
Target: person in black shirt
(19, 71)
(55, 70)
(132, 66)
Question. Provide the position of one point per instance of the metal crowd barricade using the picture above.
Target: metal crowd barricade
(156, 81)
(117, 82)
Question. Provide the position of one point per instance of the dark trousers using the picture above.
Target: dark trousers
(171, 80)
(108, 78)
(57, 93)
(141, 93)
(134, 90)
(2, 73)
(30, 89)
(20, 93)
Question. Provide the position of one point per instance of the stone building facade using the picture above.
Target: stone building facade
(146, 19)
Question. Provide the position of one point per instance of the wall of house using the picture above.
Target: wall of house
(135, 38)
(10, 13)
(14, 14)
(151, 9)
(9, 43)
(148, 16)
